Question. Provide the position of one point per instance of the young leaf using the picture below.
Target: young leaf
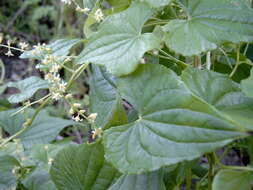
(148, 181)
(247, 85)
(82, 167)
(27, 88)
(209, 24)
(174, 125)
(120, 45)
(43, 130)
(233, 180)
(105, 100)
(220, 91)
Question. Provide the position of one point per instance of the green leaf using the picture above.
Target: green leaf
(148, 181)
(59, 47)
(104, 99)
(43, 130)
(220, 91)
(120, 45)
(174, 125)
(7, 178)
(247, 85)
(27, 88)
(39, 179)
(82, 168)
(157, 3)
(209, 24)
(233, 180)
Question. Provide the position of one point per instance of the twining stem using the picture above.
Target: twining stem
(189, 179)
(26, 106)
(237, 168)
(197, 61)
(2, 45)
(237, 62)
(208, 60)
(76, 74)
(210, 171)
(27, 125)
(181, 63)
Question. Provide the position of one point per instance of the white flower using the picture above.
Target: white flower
(23, 45)
(71, 111)
(50, 161)
(9, 53)
(142, 61)
(56, 95)
(97, 132)
(46, 147)
(62, 86)
(77, 105)
(99, 16)
(77, 118)
(92, 117)
(55, 68)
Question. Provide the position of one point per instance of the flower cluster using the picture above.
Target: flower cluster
(99, 16)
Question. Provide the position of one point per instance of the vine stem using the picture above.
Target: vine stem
(76, 74)
(35, 102)
(211, 161)
(183, 64)
(189, 179)
(237, 63)
(208, 60)
(237, 168)
(28, 125)
(2, 45)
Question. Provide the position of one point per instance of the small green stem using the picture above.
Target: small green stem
(183, 64)
(197, 61)
(76, 74)
(2, 45)
(210, 171)
(237, 168)
(189, 179)
(237, 63)
(208, 60)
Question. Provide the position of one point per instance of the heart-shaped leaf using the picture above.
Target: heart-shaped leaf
(105, 100)
(209, 24)
(43, 130)
(82, 168)
(220, 91)
(120, 45)
(27, 88)
(233, 180)
(148, 181)
(174, 125)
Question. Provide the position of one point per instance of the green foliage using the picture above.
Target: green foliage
(27, 88)
(82, 167)
(160, 92)
(109, 45)
(233, 180)
(209, 24)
